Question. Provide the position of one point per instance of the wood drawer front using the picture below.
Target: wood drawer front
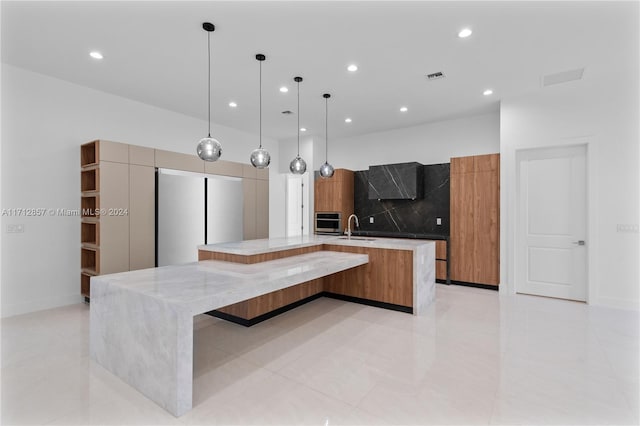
(441, 249)
(441, 270)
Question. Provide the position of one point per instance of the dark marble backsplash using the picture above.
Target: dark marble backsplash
(402, 181)
(406, 216)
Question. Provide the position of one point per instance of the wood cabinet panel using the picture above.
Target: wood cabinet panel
(141, 217)
(262, 209)
(225, 168)
(388, 277)
(255, 258)
(114, 224)
(486, 241)
(260, 305)
(179, 161)
(486, 163)
(142, 156)
(441, 270)
(462, 225)
(249, 211)
(441, 249)
(475, 219)
(461, 165)
(263, 174)
(335, 194)
(114, 152)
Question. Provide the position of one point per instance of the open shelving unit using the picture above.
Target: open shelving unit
(89, 205)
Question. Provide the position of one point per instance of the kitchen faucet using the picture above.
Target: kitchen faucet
(349, 224)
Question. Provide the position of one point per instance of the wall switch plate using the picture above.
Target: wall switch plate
(371, 219)
(438, 221)
(15, 229)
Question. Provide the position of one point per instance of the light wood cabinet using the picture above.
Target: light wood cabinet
(117, 186)
(475, 219)
(262, 208)
(335, 194)
(142, 205)
(441, 260)
(104, 203)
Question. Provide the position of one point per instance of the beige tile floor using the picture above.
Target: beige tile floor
(476, 358)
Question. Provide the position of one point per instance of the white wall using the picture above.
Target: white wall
(430, 143)
(44, 122)
(605, 116)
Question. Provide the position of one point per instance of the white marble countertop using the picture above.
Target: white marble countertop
(269, 245)
(207, 285)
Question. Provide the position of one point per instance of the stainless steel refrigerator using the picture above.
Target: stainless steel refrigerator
(194, 209)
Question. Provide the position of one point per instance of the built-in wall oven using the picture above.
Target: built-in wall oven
(328, 223)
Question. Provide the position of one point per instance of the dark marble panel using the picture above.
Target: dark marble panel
(403, 181)
(406, 216)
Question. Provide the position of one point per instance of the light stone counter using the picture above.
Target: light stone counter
(267, 245)
(141, 322)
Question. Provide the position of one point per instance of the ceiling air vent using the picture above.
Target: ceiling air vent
(562, 77)
(435, 76)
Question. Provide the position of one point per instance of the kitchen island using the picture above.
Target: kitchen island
(142, 321)
(399, 275)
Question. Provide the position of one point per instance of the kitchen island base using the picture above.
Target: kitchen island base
(141, 326)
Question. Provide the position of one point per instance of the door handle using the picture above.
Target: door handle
(579, 243)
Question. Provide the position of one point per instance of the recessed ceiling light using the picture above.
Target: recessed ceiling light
(464, 33)
(487, 92)
(96, 55)
(352, 68)
(303, 129)
(233, 104)
(347, 120)
(284, 89)
(404, 109)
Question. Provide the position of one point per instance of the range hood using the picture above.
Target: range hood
(402, 181)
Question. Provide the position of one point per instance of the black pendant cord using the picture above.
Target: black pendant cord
(209, 81)
(298, 118)
(260, 104)
(326, 129)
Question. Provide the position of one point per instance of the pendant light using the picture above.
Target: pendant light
(298, 166)
(326, 170)
(260, 157)
(209, 149)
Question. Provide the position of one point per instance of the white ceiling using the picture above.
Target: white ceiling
(155, 52)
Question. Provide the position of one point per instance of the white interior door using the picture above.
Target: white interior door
(297, 200)
(551, 246)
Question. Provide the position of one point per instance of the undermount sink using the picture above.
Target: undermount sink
(357, 238)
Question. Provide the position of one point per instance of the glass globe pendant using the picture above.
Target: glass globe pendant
(326, 170)
(209, 149)
(298, 166)
(260, 157)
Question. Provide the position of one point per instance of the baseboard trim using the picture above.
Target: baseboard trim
(253, 321)
(476, 285)
(263, 317)
(369, 302)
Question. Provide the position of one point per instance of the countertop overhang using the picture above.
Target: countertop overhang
(271, 245)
